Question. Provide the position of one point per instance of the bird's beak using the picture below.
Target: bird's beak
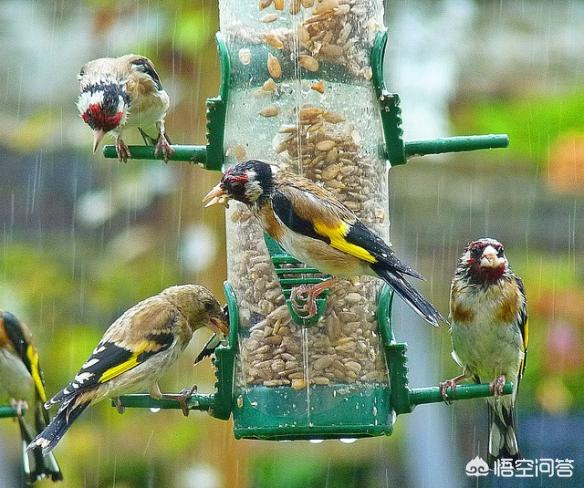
(98, 135)
(215, 196)
(489, 258)
(218, 326)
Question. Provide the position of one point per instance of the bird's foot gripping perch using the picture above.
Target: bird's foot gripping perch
(164, 147)
(452, 383)
(182, 398)
(497, 385)
(303, 298)
(122, 150)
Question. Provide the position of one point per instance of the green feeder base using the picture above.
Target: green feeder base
(319, 412)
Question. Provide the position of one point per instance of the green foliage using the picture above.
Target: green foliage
(533, 123)
(193, 32)
(310, 472)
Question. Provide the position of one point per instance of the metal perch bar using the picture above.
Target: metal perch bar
(202, 401)
(455, 144)
(7, 411)
(188, 153)
(419, 396)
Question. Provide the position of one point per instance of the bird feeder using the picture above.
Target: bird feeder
(302, 87)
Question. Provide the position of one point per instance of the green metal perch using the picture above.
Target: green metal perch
(7, 411)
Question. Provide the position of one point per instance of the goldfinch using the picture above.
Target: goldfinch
(488, 323)
(22, 383)
(124, 92)
(133, 353)
(315, 228)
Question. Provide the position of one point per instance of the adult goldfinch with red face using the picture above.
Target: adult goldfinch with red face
(315, 228)
(134, 352)
(124, 92)
(22, 384)
(488, 319)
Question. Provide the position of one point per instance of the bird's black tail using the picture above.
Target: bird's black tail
(502, 436)
(37, 465)
(52, 434)
(409, 295)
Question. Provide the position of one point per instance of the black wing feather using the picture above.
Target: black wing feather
(144, 65)
(15, 333)
(209, 348)
(284, 209)
(359, 234)
(108, 355)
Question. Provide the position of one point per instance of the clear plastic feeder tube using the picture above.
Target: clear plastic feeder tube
(301, 97)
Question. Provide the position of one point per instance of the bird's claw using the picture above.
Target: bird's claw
(497, 385)
(123, 151)
(444, 385)
(162, 146)
(303, 301)
(119, 406)
(184, 396)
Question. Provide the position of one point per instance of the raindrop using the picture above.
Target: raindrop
(316, 441)
(348, 440)
(155, 410)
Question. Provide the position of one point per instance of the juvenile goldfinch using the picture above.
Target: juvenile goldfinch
(22, 383)
(315, 228)
(488, 319)
(124, 92)
(134, 352)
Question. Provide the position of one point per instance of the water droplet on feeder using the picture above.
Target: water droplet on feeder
(316, 441)
(155, 410)
(348, 441)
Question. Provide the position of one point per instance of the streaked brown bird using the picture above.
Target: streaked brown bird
(488, 323)
(134, 352)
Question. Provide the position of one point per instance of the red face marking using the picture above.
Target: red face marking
(231, 179)
(483, 274)
(96, 118)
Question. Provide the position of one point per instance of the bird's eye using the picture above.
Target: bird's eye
(209, 306)
(476, 252)
(501, 251)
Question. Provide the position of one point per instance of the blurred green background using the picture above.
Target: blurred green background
(84, 238)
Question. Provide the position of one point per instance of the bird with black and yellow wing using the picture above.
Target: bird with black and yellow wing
(317, 229)
(22, 385)
(134, 352)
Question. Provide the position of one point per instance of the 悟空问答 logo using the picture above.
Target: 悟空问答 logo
(477, 467)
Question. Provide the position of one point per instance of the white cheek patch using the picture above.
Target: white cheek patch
(253, 190)
(88, 98)
(123, 110)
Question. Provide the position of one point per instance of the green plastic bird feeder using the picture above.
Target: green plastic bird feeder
(302, 86)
